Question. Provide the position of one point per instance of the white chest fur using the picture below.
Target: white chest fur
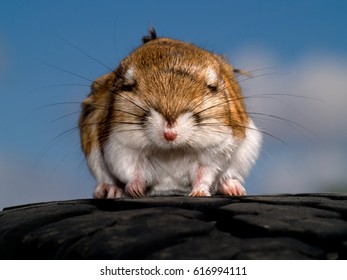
(170, 172)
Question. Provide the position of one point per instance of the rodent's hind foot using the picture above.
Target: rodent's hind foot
(231, 187)
(136, 188)
(104, 190)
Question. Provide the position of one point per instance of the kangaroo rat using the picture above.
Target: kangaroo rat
(170, 120)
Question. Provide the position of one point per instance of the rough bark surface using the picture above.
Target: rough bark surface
(305, 226)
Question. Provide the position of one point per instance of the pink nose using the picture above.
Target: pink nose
(170, 135)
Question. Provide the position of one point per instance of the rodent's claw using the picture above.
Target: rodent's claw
(136, 188)
(231, 187)
(199, 192)
(115, 192)
(104, 190)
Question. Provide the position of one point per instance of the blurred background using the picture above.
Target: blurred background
(50, 51)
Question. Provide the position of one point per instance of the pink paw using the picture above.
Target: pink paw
(199, 191)
(231, 187)
(136, 188)
(104, 190)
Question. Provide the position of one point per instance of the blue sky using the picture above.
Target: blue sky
(304, 41)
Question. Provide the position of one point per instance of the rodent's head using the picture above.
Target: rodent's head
(169, 94)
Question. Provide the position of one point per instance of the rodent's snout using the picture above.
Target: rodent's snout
(169, 127)
(170, 132)
(167, 132)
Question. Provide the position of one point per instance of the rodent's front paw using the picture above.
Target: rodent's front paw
(104, 190)
(199, 193)
(200, 190)
(231, 187)
(136, 188)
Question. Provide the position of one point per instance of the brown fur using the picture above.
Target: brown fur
(94, 113)
(170, 78)
(238, 116)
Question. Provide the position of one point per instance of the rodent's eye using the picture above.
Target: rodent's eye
(212, 88)
(127, 87)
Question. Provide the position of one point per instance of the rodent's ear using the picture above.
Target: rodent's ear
(243, 72)
(103, 83)
(152, 35)
(224, 59)
(123, 79)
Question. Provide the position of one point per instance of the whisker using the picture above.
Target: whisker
(263, 68)
(65, 71)
(130, 130)
(265, 133)
(104, 138)
(66, 132)
(293, 123)
(86, 54)
(61, 85)
(286, 104)
(112, 122)
(58, 103)
(126, 112)
(53, 104)
(124, 122)
(68, 102)
(71, 73)
(216, 131)
(288, 95)
(132, 102)
(264, 74)
(51, 143)
(205, 99)
(65, 116)
(251, 128)
(210, 107)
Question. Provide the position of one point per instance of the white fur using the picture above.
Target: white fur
(211, 76)
(245, 156)
(98, 168)
(171, 167)
(130, 75)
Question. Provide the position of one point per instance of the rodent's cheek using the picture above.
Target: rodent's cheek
(155, 125)
(186, 127)
(201, 136)
(131, 137)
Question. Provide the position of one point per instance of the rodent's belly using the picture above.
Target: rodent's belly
(165, 173)
(169, 172)
(172, 174)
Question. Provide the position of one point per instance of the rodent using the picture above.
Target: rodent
(169, 120)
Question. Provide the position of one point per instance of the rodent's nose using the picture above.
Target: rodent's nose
(170, 134)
